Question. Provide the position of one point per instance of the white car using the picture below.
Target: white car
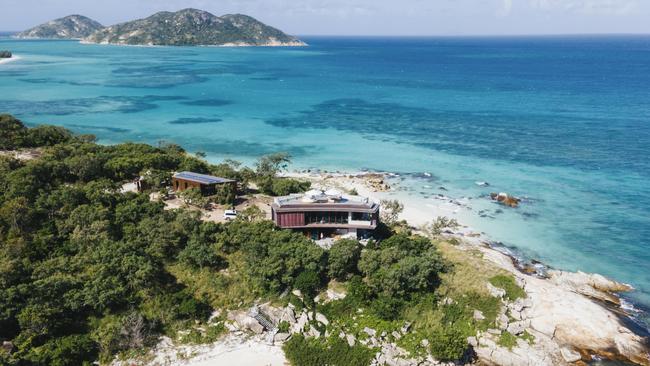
(230, 214)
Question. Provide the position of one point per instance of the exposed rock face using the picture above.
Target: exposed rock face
(192, 27)
(70, 27)
(592, 285)
(564, 312)
(5, 54)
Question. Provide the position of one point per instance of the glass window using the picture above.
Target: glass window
(361, 216)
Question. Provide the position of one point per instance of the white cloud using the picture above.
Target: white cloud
(506, 8)
(589, 7)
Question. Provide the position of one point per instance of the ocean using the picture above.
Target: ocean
(563, 122)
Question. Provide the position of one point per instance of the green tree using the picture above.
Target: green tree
(390, 211)
(12, 132)
(401, 266)
(343, 258)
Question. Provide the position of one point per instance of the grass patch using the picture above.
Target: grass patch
(333, 351)
(507, 340)
(508, 283)
(528, 337)
(227, 289)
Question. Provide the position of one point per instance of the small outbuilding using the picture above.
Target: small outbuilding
(207, 184)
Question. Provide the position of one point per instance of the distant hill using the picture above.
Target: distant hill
(192, 27)
(70, 27)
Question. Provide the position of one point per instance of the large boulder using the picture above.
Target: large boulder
(245, 322)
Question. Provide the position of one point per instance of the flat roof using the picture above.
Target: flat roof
(308, 202)
(201, 178)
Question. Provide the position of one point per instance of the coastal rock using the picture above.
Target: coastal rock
(544, 353)
(570, 355)
(5, 54)
(592, 285)
(505, 199)
(561, 314)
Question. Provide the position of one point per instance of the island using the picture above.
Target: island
(192, 27)
(132, 254)
(70, 27)
(5, 54)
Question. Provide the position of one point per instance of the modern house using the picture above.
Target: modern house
(320, 214)
(206, 183)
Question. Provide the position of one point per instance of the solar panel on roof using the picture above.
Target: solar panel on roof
(201, 178)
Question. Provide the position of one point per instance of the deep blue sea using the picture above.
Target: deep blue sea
(561, 121)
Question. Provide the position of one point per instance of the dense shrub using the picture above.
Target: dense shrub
(402, 265)
(448, 344)
(333, 351)
(308, 283)
(287, 186)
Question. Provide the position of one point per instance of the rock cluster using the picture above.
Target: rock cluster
(505, 199)
(5, 54)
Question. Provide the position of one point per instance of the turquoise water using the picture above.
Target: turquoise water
(563, 122)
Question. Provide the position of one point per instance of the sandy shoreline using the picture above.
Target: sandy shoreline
(8, 60)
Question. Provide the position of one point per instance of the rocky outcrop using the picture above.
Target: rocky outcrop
(192, 27)
(505, 199)
(564, 311)
(70, 27)
(5, 54)
(592, 285)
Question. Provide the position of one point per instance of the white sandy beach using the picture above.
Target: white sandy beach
(235, 349)
(417, 210)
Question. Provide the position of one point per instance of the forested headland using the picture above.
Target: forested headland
(88, 272)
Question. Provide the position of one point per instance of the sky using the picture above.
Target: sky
(367, 17)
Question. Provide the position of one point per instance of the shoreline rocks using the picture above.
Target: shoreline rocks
(5, 54)
(505, 199)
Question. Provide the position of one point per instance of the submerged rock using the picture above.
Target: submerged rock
(505, 199)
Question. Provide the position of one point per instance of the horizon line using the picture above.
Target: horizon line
(449, 35)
